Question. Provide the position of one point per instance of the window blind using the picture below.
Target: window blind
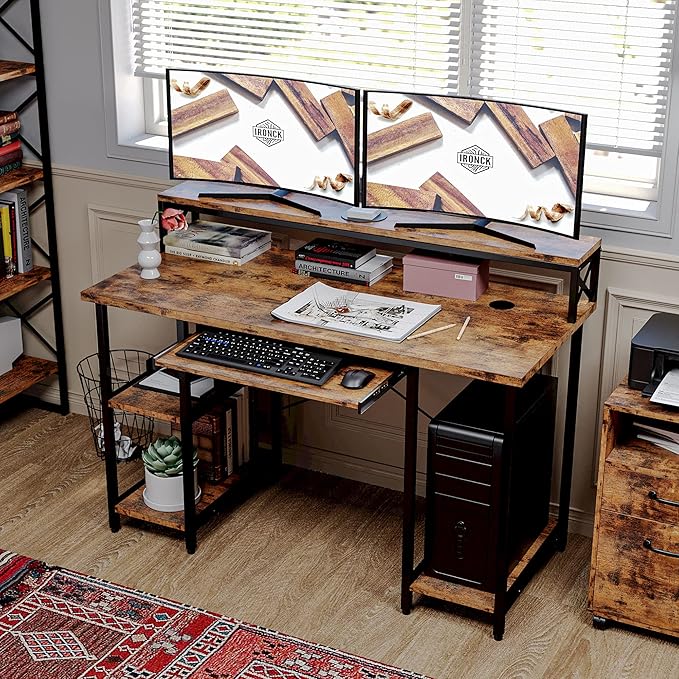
(609, 58)
(412, 44)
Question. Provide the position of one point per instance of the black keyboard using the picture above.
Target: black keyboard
(261, 355)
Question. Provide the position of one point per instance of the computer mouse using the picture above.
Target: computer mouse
(355, 379)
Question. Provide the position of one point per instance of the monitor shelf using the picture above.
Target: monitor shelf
(551, 250)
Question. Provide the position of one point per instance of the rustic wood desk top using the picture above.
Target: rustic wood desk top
(507, 347)
(550, 249)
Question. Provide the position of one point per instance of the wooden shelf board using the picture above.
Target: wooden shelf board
(26, 372)
(631, 402)
(133, 505)
(549, 247)
(22, 281)
(24, 176)
(155, 404)
(475, 598)
(531, 552)
(15, 69)
(454, 593)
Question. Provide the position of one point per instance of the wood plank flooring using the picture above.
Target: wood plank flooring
(314, 556)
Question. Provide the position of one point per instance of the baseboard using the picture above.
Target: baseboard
(388, 476)
(50, 394)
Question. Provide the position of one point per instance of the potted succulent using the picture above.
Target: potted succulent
(164, 469)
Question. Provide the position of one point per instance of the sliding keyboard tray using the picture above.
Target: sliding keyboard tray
(332, 391)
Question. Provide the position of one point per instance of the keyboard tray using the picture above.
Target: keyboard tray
(332, 391)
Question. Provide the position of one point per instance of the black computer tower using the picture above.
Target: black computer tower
(467, 446)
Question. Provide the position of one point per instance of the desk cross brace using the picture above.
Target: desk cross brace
(584, 280)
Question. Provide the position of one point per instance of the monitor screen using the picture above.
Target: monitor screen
(488, 159)
(263, 131)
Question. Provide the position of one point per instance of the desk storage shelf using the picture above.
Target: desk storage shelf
(133, 505)
(30, 370)
(635, 552)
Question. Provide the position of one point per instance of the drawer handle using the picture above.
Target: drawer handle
(649, 545)
(654, 496)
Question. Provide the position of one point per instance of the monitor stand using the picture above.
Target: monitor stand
(276, 196)
(479, 225)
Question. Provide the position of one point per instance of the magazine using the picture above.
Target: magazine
(356, 312)
(219, 239)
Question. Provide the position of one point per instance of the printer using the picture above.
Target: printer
(654, 352)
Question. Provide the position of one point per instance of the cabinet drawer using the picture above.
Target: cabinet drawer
(632, 583)
(642, 480)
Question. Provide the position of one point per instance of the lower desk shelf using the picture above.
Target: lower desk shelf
(479, 600)
(27, 371)
(133, 505)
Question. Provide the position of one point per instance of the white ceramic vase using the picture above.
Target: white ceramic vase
(166, 494)
(149, 257)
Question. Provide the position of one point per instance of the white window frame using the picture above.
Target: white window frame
(134, 135)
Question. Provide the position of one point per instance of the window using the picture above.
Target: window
(611, 59)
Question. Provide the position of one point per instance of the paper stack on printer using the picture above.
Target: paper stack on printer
(667, 392)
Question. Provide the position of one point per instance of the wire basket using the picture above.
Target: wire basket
(133, 433)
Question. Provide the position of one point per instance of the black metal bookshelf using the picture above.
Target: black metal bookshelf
(29, 370)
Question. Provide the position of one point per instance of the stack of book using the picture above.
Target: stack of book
(16, 249)
(338, 261)
(11, 154)
(215, 242)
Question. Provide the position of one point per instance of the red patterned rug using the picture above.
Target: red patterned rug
(59, 624)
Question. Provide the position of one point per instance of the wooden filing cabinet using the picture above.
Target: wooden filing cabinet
(634, 578)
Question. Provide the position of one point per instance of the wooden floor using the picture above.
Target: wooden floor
(316, 557)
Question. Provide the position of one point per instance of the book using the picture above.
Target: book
(220, 259)
(357, 313)
(8, 128)
(18, 198)
(219, 239)
(365, 273)
(10, 167)
(8, 138)
(335, 253)
(7, 117)
(6, 228)
(9, 148)
(377, 279)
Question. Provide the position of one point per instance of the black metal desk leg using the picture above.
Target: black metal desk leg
(569, 439)
(276, 432)
(105, 389)
(409, 479)
(502, 482)
(573, 294)
(190, 527)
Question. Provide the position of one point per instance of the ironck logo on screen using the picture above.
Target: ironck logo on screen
(268, 133)
(475, 159)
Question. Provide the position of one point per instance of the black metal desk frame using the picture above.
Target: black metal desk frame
(583, 281)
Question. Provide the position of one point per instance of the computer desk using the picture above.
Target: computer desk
(503, 346)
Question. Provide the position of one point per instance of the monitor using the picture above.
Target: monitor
(286, 135)
(493, 160)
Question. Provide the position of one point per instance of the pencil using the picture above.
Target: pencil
(431, 332)
(464, 327)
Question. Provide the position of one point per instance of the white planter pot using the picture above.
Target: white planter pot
(167, 494)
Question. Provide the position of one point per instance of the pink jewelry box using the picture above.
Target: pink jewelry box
(445, 277)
